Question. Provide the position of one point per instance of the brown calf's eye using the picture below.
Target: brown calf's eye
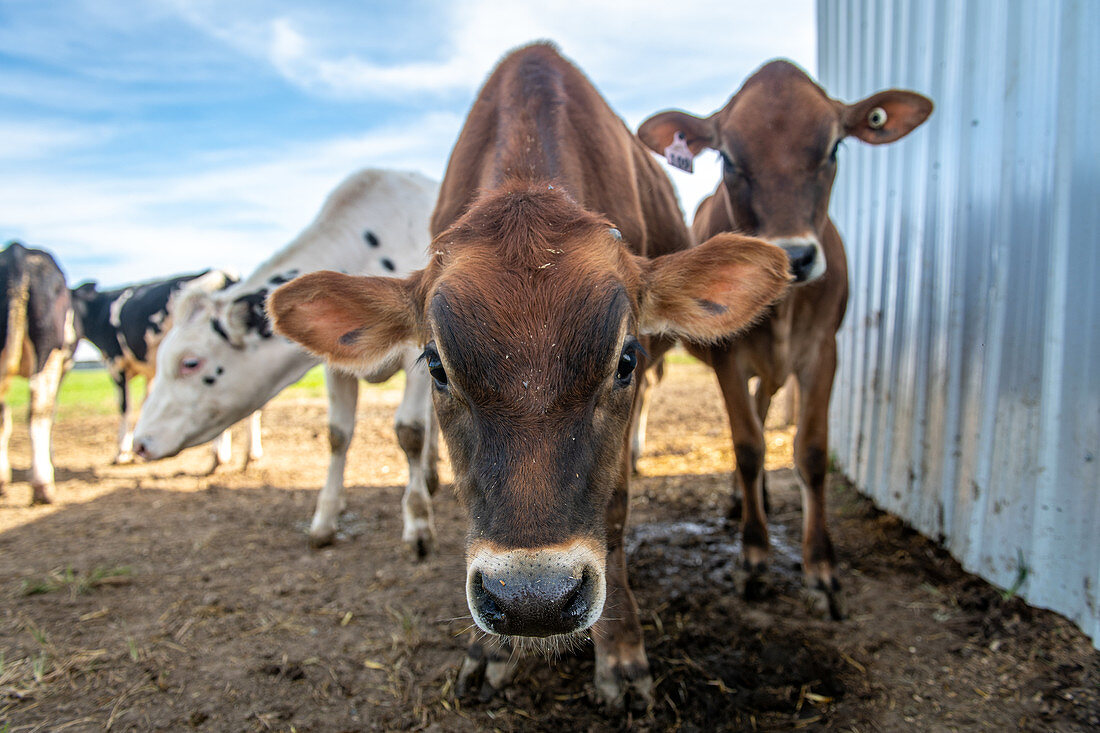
(628, 362)
(435, 368)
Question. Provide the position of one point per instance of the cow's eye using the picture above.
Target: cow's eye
(835, 150)
(190, 365)
(628, 362)
(435, 367)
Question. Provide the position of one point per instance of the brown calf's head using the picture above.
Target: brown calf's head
(529, 313)
(778, 137)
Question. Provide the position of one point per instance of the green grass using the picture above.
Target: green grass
(92, 392)
(76, 583)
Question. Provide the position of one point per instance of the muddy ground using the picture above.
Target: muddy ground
(152, 597)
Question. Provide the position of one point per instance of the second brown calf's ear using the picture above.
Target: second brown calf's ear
(714, 290)
(353, 323)
(659, 131)
(886, 116)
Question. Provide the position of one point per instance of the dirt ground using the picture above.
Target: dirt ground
(152, 597)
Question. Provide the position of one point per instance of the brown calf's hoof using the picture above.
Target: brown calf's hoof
(624, 686)
(753, 581)
(824, 597)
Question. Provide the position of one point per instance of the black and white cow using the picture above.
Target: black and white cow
(220, 360)
(38, 338)
(126, 325)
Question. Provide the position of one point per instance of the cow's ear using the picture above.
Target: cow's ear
(353, 323)
(659, 131)
(188, 304)
(714, 290)
(886, 116)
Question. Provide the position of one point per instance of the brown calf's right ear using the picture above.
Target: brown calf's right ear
(659, 130)
(353, 323)
(714, 290)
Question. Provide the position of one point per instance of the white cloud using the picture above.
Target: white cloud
(223, 213)
(25, 141)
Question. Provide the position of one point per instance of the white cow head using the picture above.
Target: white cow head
(218, 363)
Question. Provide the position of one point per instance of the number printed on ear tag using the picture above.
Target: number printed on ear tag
(678, 154)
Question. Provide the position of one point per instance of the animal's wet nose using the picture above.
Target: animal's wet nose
(807, 259)
(541, 603)
(141, 449)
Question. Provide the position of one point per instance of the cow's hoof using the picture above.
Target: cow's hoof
(420, 539)
(484, 672)
(753, 580)
(825, 598)
(321, 537)
(124, 459)
(43, 494)
(624, 686)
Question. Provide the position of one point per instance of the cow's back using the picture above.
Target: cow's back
(539, 119)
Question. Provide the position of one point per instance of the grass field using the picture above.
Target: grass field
(91, 391)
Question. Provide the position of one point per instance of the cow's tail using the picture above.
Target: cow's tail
(18, 297)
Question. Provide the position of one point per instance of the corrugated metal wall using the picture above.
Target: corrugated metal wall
(967, 399)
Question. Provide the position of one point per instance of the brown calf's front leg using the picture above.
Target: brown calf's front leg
(811, 458)
(748, 447)
(621, 664)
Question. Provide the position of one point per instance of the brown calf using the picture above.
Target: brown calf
(531, 311)
(778, 138)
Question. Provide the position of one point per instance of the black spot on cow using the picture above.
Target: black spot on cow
(208, 380)
(216, 327)
(256, 318)
(371, 239)
(283, 277)
(388, 264)
(219, 371)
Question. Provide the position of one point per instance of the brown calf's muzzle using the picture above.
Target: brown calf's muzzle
(536, 592)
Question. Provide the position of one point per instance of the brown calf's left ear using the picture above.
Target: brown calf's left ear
(886, 116)
(353, 323)
(714, 290)
(659, 130)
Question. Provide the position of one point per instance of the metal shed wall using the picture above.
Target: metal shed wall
(967, 399)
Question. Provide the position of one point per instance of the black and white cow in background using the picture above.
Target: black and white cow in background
(38, 338)
(126, 325)
(220, 360)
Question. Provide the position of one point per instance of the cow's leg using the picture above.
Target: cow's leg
(343, 395)
(748, 447)
(487, 668)
(811, 460)
(222, 450)
(765, 390)
(621, 663)
(126, 422)
(5, 438)
(416, 434)
(255, 445)
(43, 399)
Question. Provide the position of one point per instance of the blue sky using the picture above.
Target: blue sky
(143, 138)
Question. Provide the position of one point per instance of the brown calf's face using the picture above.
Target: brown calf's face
(530, 313)
(778, 138)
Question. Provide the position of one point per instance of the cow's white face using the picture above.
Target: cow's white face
(217, 364)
